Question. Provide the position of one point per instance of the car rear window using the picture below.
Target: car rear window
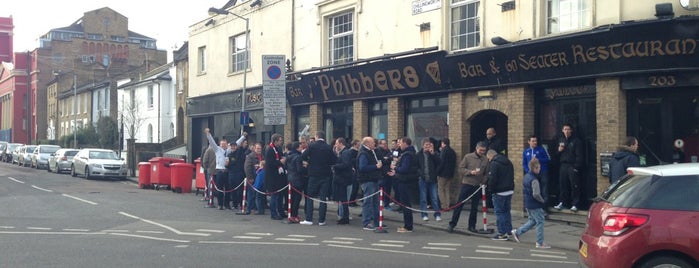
(71, 153)
(655, 192)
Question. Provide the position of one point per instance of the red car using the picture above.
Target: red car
(649, 218)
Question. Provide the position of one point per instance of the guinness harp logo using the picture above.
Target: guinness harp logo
(432, 70)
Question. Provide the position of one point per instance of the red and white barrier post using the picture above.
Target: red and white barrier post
(380, 229)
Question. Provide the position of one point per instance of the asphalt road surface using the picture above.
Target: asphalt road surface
(52, 220)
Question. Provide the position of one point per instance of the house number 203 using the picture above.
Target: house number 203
(662, 80)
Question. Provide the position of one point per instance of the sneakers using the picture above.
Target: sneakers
(574, 209)
(369, 227)
(559, 206)
(473, 230)
(343, 221)
(438, 218)
(425, 218)
(542, 246)
(305, 222)
(514, 235)
(404, 230)
(450, 229)
(500, 237)
(321, 223)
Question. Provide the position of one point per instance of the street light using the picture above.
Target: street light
(217, 11)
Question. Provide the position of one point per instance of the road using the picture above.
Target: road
(52, 220)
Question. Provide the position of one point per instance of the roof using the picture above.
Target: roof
(667, 170)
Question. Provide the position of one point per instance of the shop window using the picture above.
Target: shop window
(378, 119)
(427, 118)
(338, 120)
(568, 15)
(341, 38)
(465, 24)
(302, 119)
(240, 55)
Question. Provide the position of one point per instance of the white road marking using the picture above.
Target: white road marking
(492, 252)
(247, 237)
(549, 256)
(39, 228)
(258, 243)
(42, 189)
(439, 248)
(116, 231)
(15, 180)
(338, 242)
(445, 244)
(151, 238)
(388, 250)
(302, 236)
(210, 231)
(395, 241)
(76, 230)
(163, 225)
(493, 247)
(7, 227)
(348, 238)
(387, 245)
(518, 260)
(80, 199)
(290, 239)
(547, 252)
(151, 232)
(262, 234)
(52, 233)
(182, 246)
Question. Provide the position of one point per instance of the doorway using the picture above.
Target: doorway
(485, 119)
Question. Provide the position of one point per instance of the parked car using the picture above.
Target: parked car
(645, 220)
(3, 146)
(17, 153)
(98, 163)
(61, 160)
(25, 156)
(40, 157)
(7, 153)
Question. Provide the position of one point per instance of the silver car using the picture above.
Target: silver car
(40, 157)
(102, 163)
(61, 160)
(9, 150)
(25, 155)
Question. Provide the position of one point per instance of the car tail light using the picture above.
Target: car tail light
(64, 158)
(617, 224)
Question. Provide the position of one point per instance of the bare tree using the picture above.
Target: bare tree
(132, 118)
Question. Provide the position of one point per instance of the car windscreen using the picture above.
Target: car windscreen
(656, 192)
(30, 149)
(103, 155)
(48, 150)
(71, 153)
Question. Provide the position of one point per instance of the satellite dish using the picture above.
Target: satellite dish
(679, 143)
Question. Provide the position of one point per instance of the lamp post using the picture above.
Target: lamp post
(75, 110)
(217, 11)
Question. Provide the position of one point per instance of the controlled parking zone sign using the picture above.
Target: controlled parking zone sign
(274, 89)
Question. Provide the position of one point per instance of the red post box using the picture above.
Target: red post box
(200, 182)
(160, 170)
(144, 175)
(181, 177)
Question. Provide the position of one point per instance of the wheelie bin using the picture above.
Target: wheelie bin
(160, 171)
(144, 175)
(200, 182)
(181, 177)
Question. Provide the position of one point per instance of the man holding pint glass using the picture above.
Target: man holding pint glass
(570, 155)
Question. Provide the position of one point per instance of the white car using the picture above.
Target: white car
(102, 163)
(25, 156)
(40, 157)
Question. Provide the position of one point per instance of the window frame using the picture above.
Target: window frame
(201, 61)
(335, 41)
(236, 64)
(454, 37)
(582, 16)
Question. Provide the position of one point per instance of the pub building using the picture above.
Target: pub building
(637, 78)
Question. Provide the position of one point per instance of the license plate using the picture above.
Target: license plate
(583, 249)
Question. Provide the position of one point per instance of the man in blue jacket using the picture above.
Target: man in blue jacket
(540, 153)
(406, 172)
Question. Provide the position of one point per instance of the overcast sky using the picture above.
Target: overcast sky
(165, 20)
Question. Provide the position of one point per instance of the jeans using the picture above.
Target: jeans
(317, 187)
(250, 200)
(386, 182)
(236, 197)
(342, 193)
(275, 205)
(431, 188)
(536, 217)
(403, 192)
(370, 206)
(466, 191)
(502, 205)
(569, 180)
(221, 180)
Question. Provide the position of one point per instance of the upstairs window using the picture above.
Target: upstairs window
(150, 96)
(465, 24)
(568, 15)
(341, 38)
(201, 61)
(240, 59)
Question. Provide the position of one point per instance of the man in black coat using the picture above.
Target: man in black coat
(571, 157)
(494, 142)
(445, 172)
(501, 183)
(623, 158)
(275, 175)
(343, 172)
(318, 158)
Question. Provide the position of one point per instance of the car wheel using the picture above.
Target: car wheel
(87, 173)
(72, 171)
(666, 261)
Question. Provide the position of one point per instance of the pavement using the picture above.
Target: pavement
(562, 229)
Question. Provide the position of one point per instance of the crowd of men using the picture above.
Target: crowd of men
(347, 172)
